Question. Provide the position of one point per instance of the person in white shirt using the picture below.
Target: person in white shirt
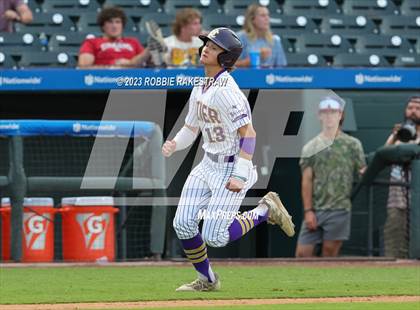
(183, 45)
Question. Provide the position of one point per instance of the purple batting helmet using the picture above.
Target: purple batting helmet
(228, 41)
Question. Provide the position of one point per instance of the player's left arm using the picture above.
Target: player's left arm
(243, 166)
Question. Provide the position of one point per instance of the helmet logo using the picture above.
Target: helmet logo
(214, 33)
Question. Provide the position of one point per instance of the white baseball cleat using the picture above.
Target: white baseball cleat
(200, 285)
(277, 213)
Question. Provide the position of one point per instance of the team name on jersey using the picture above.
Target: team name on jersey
(117, 46)
(207, 114)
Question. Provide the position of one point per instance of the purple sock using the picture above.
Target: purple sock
(243, 224)
(196, 251)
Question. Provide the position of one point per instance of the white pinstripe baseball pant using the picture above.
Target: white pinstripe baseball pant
(205, 190)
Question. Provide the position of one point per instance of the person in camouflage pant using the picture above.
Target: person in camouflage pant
(329, 164)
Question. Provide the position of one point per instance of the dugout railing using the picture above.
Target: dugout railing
(51, 158)
(373, 190)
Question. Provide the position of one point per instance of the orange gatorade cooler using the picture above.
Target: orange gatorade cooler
(88, 228)
(38, 229)
(5, 228)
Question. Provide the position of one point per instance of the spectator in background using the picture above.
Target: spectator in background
(256, 36)
(184, 43)
(396, 228)
(13, 11)
(112, 50)
(329, 163)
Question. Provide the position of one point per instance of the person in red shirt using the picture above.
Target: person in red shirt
(112, 50)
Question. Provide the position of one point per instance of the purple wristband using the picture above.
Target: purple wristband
(247, 145)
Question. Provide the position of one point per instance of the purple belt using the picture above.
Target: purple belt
(218, 158)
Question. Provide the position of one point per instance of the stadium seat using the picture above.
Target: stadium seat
(6, 61)
(205, 7)
(142, 7)
(360, 60)
(14, 43)
(46, 59)
(405, 26)
(87, 23)
(164, 21)
(383, 45)
(287, 45)
(71, 7)
(68, 42)
(327, 45)
(312, 8)
(305, 60)
(410, 8)
(347, 26)
(372, 8)
(408, 60)
(33, 5)
(48, 23)
(234, 22)
(292, 25)
(238, 7)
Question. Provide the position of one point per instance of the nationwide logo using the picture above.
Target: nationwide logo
(271, 79)
(361, 78)
(94, 79)
(33, 80)
(78, 127)
(11, 126)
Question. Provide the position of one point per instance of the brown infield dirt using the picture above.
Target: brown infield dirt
(342, 262)
(208, 303)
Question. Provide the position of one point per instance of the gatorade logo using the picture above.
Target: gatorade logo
(93, 229)
(35, 228)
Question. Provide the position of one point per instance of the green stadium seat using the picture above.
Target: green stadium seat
(305, 60)
(292, 25)
(6, 61)
(46, 59)
(372, 8)
(410, 8)
(383, 45)
(143, 7)
(34, 6)
(360, 60)
(347, 26)
(312, 8)
(239, 7)
(48, 23)
(407, 60)
(71, 7)
(234, 22)
(68, 42)
(322, 44)
(405, 26)
(14, 43)
(205, 7)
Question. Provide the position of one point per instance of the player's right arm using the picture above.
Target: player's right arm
(309, 214)
(183, 139)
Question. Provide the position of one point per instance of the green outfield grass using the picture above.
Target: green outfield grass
(96, 284)
(332, 306)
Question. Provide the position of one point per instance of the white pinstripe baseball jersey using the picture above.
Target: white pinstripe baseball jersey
(219, 111)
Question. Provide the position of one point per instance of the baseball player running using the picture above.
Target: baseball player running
(218, 184)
